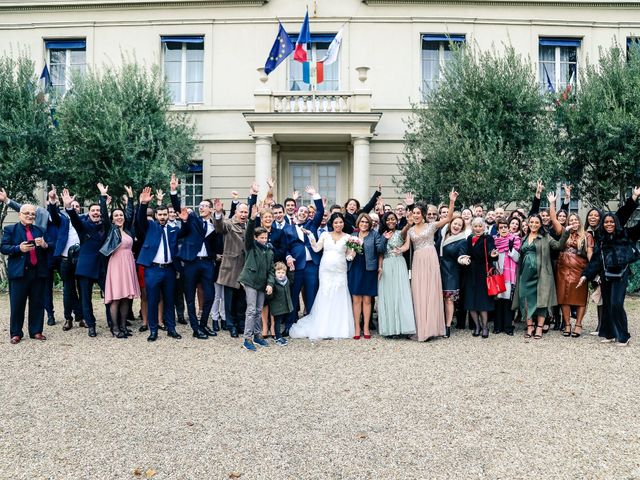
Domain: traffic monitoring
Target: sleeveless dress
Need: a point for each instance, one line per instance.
(426, 284)
(122, 279)
(332, 313)
(395, 310)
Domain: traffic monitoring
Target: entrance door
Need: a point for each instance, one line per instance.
(322, 175)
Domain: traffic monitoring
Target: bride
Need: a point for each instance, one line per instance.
(332, 313)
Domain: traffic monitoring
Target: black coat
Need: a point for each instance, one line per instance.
(476, 297)
(449, 266)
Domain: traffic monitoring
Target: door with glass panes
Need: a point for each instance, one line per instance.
(322, 175)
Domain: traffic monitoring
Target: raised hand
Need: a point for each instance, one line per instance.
(539, 188)
(52, 195)
(295, 195)
(551, 197)
(159, 195)
(254, 212)
(567, 191)
(254, 189)
(146, 195)
(408, 199)
(184, 214)
(125, 199)
(103, 189)
(129, 191)
(310, 190)
(324, 202)
(234, 194)
(378, 185)
(67, 199)
(270, 183)
(218, 205)
(453, 195)
(173, 183)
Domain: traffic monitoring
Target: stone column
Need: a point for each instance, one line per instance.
(361, 168)
(263, 162)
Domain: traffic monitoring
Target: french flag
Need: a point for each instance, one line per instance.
(304, 38)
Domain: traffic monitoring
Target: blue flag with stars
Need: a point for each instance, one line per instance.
(281, 49)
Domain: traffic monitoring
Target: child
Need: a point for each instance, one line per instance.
(280, 301)
(256, 278)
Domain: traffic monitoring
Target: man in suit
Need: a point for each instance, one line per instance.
(65, 251)
(198, 256)
(279, 221)
(158, 256)
(301, 259)
(26, 248)
(90, 267)
(290, 210)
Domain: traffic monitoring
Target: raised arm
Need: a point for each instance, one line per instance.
(557, 226)
(104, 212)
(317, 200)
(566, 203)
(77, 223)
(316, 246)
(625, 212)
(251, 228)
(373, 200)
(535, 204)
(142, 224)
(453, 195)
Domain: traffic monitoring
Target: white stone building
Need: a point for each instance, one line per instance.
(341, 137)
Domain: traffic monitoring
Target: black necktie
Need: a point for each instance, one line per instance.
(165, 244)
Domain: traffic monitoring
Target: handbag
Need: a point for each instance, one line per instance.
(495, 280)
(112, 241)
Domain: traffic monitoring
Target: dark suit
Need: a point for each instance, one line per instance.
(90, 268)
(158, 278)
(26, 281)
(306, 272)
(197, 268)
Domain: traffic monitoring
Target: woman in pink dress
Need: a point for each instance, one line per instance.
(121, 283)
(426, 284)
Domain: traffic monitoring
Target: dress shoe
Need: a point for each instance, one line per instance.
(233, 331)
(81, 323)
(39, 336)
(200, 335)
(15, 340)
(174, 334)
(182, 321)
(91, 331)
(68, 325)
(208, 331)
(356, 337)
(367, 337)
(51, 321)
(153, 336)
(216, 327)
(447, 332)
(162, 327)
(143, 328)
(120, 334)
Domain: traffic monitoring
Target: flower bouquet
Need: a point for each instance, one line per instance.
(354, 243)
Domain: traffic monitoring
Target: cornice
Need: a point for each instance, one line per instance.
(53, 5)
(511, 3)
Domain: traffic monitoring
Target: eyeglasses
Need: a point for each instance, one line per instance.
(28, 214)
(202, 205)
(503, 226)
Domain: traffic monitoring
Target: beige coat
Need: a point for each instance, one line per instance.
(233, 254)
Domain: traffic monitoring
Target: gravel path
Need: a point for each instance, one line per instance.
(81, 408)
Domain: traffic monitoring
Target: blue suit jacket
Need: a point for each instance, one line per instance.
(13, 236)
(296, 247)
(194, 236)
(91, 263)
(150, 233)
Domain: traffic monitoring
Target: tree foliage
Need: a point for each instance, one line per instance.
(25, 126)
(485, 131)
(601, 126)
(115, 127)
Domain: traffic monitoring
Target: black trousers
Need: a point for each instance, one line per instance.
(30, 287)
(235, 307)
(48, 293)
(503, 320)
(70, 290)
(199, 271)
(178, 295)
(614, 318)
(86, 292)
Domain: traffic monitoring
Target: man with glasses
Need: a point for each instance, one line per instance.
(26, 249)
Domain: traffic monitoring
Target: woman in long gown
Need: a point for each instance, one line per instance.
(332, 313)
(395, 311)
(426, 284)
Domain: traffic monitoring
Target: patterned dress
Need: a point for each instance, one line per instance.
(395, 311)
(426, 284)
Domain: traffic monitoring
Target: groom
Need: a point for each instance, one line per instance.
(301, 259)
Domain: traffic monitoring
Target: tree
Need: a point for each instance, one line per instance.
(115, 127)
(600, 126)
(25, 130)
(485, 131)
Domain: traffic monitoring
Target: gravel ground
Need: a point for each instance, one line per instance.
(80, 408)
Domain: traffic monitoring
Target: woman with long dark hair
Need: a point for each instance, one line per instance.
(395, 310)
(613, 254)
(535, 287)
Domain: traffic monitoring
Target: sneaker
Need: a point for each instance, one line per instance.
(622, 344)
(260, 341)
(595, 332)
(282, 342)
(248, 345)
(608, 340)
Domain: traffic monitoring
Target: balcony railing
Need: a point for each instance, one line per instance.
(312, 102)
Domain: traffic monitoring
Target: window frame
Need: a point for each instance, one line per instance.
(165, 39)
(195, 170)
(557, 63)
(68, 65)
(312, 53)
(315, 178)
(444, 42)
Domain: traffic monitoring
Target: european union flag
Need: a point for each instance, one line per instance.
(281, 49)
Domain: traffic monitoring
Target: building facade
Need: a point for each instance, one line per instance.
(341, 136)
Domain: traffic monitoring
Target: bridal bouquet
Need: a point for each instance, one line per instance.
(355, 243)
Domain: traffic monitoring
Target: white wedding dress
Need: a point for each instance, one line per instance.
(332, 314)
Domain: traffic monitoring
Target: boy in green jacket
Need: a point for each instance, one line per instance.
(257, 279)
(280, 304)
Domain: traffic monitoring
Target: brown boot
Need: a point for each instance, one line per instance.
(82, 324)
(68, 324)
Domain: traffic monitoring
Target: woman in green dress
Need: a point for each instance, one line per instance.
(535, 289)
(395, 308)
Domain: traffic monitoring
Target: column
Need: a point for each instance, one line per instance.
(263, 162)
(361, 169)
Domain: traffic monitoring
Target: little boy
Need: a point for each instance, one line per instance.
(280, 303)
(256, 278)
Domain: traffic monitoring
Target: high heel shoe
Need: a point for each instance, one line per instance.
(356, 337)
(485, 332)
(367, 337)
(476, 332)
